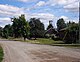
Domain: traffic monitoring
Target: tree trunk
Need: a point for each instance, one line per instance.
(24, 38)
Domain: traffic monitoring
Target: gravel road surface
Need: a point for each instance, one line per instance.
(15, 51)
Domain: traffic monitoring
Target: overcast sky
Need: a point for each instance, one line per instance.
(44, 9)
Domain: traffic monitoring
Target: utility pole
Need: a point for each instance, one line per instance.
(79, 22)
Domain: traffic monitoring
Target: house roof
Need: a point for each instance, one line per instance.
(51, 31)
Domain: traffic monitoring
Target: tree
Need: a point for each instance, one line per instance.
(21, 27)
(25, 28)
(1, 29)
(7, 31)
(72, 33)
(16, 27)
(50, 25)
(61, 24)
(37, 28)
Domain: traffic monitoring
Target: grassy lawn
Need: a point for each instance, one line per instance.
(51, 42)
(1, 54)
(68, 45)
(44, 41)
(38, 41)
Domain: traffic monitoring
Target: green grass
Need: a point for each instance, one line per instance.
(44, 41)
(68, 45)
(51, 42)
(15, 39)
(1, 54)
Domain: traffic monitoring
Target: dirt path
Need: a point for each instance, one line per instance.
(24, 52)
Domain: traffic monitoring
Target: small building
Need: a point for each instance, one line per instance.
(51, 32)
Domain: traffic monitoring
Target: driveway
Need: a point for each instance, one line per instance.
(15, 51)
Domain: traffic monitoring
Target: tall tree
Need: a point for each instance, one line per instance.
(16, 27)
(73, 32)
(25, 28)
(70, 34)
(61, 24)
(37, 28)
(21, 27)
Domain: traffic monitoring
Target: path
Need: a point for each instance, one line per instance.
(15, 51)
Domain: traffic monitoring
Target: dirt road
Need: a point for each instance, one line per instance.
(15, 51)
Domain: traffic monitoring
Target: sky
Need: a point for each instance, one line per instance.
(44, 9)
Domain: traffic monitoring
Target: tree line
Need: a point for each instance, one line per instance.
(34, 28)
(22, 28)
(68, 32)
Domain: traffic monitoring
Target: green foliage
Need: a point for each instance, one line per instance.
(37, 28)
(1, 54)
(20, 27)
(72, 31)
(73, 26)
(1, 31)
(7, 31)
(69, 31)
(44, 41)
(51, 31)
(48, 41)
(61, 24)
(49, 26)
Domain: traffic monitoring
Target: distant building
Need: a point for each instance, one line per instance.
(51, 31)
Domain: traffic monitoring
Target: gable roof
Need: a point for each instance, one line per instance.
(51, 31)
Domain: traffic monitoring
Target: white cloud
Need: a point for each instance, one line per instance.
(67, 19)
(9, 10)
(64, 17)
(44, 17)
(68, 5)
(72, 7)
(5, 21)
(64, 2)
(27, 1)
(23, 0)
(61, 2)
(76, 20)
(40, 3)
(55, 2)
